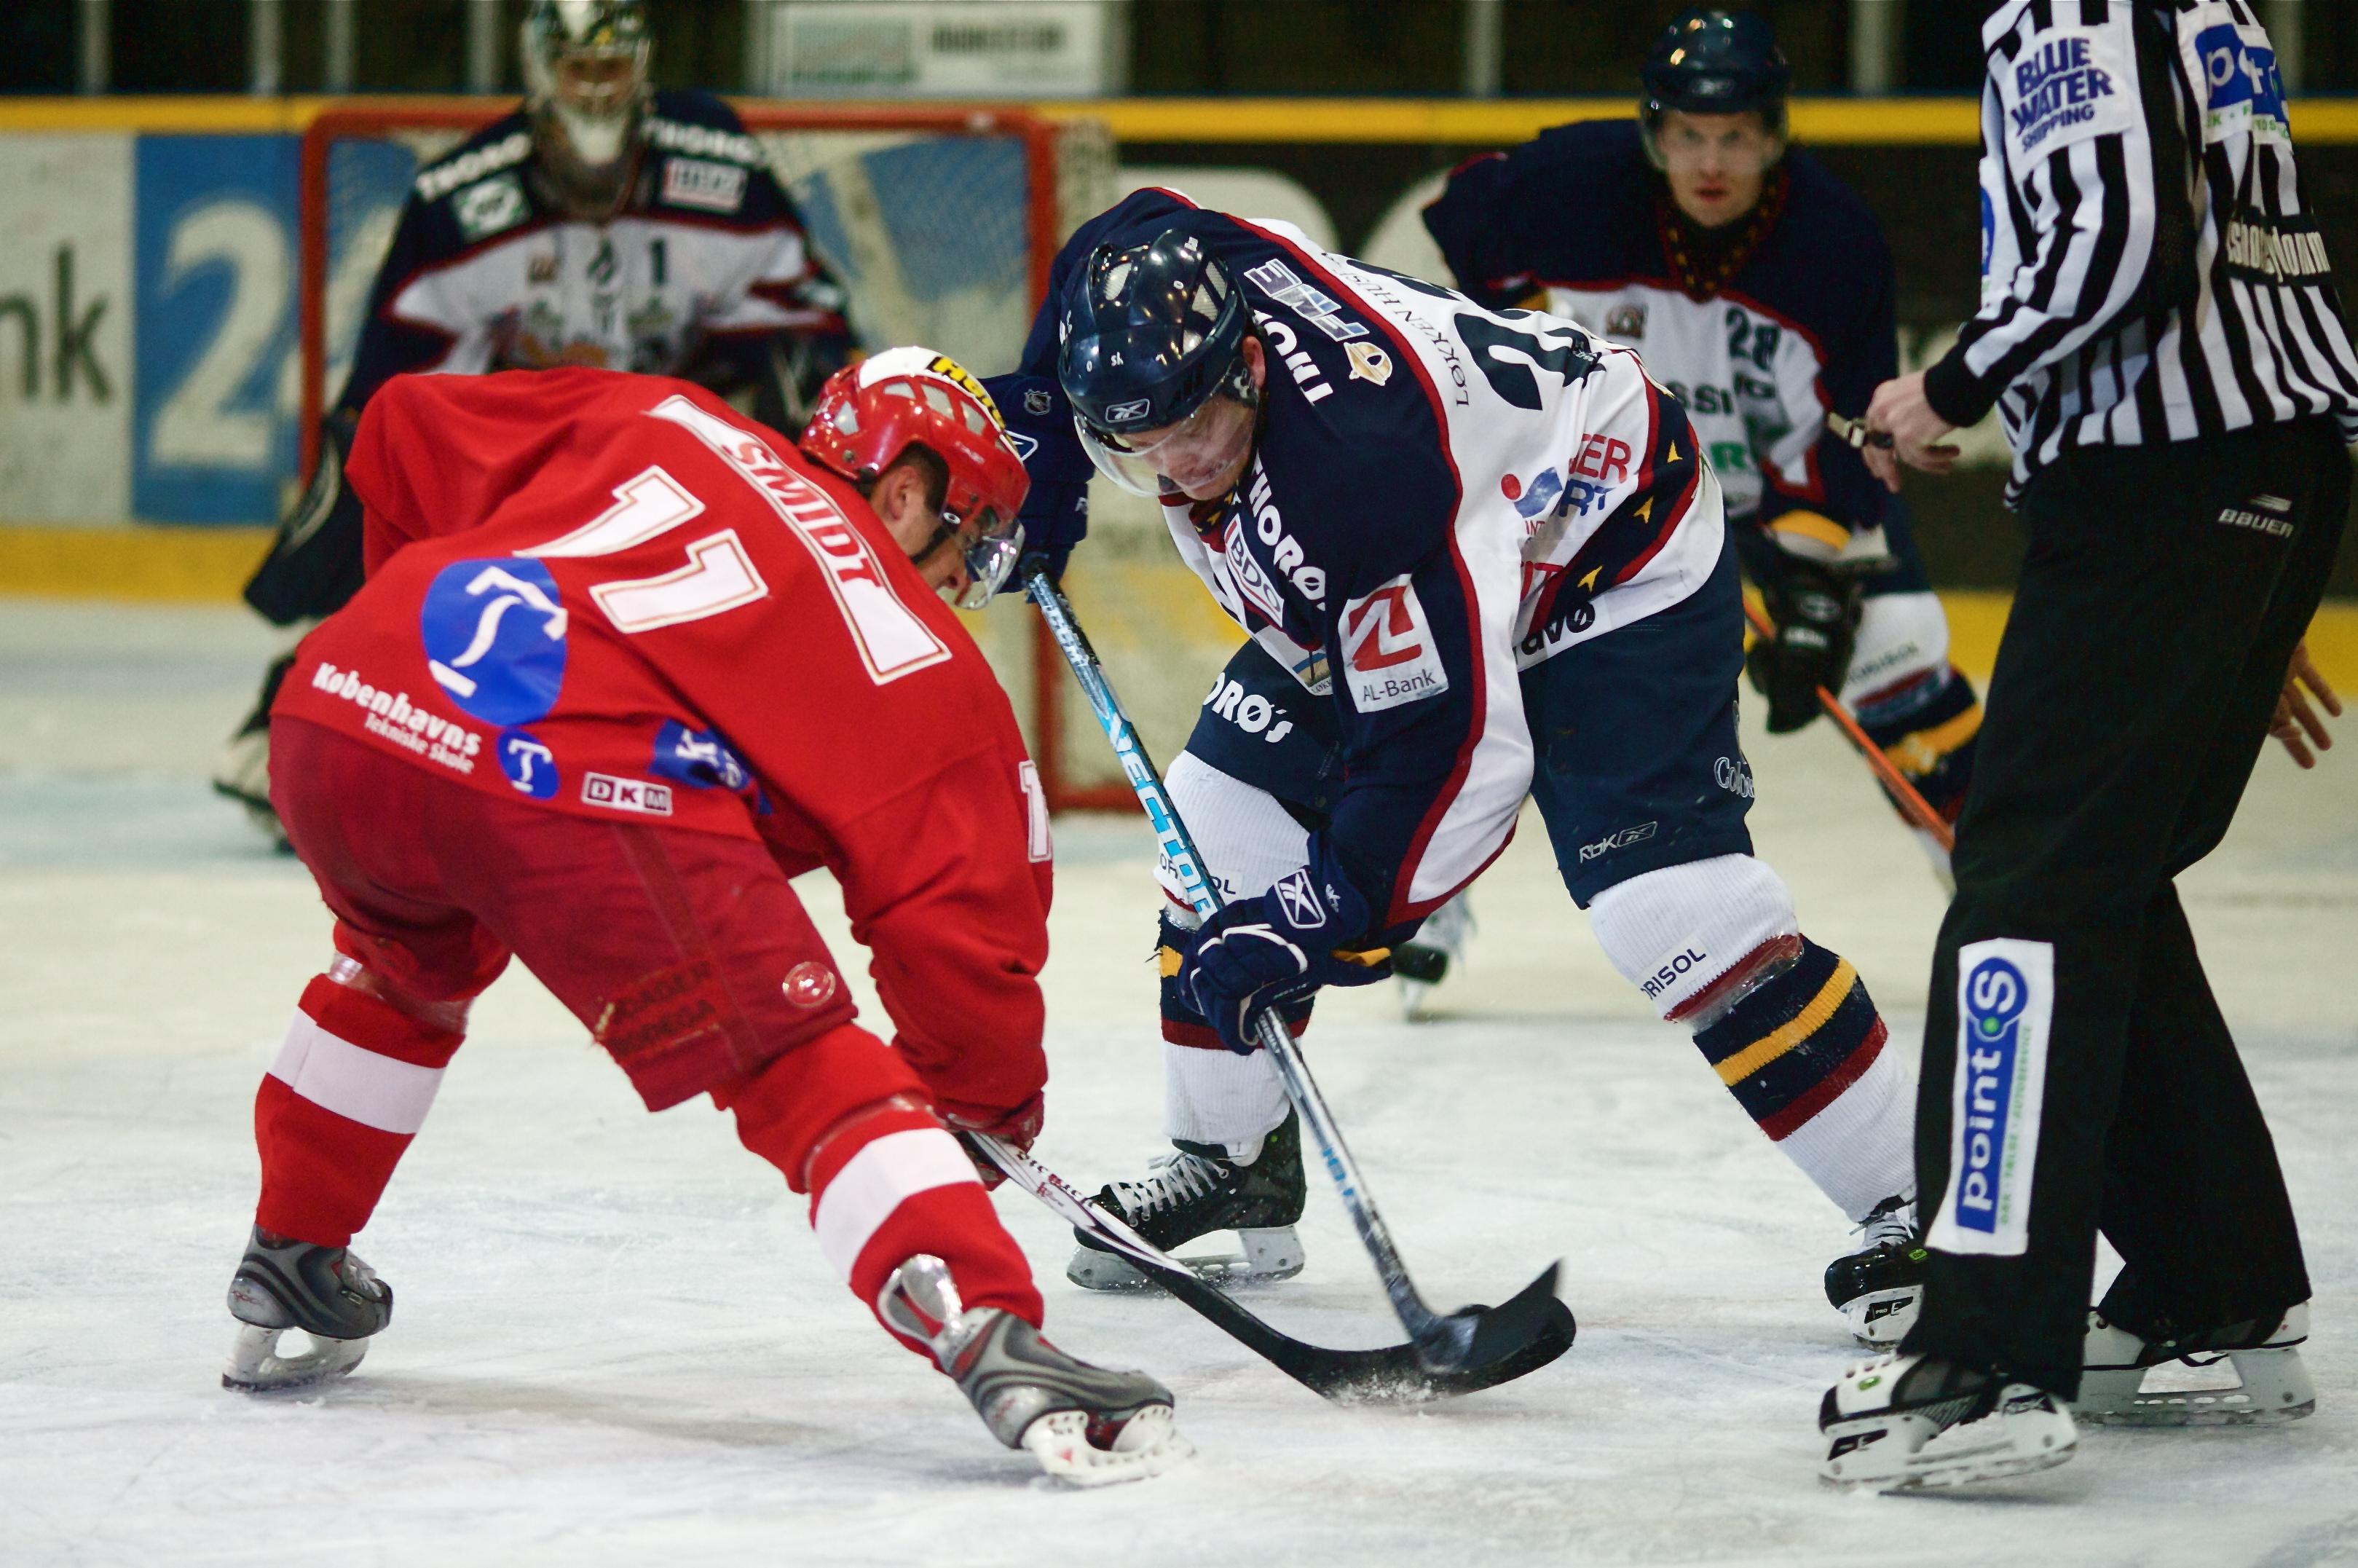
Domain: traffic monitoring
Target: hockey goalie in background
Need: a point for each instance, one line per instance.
(624, 662)
(604, 223)
(1760, 291)
(1477, 556)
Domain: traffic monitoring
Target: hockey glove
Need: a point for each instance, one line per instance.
(1055, 512)
(1019, 1126)
(1815, 607)
(1264, 952)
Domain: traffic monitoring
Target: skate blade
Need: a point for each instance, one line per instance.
(1148, 1444)
(1990, 1449)
(256, 1368)
(1881, 1319)
(2267, 1387)
(1269, 1255)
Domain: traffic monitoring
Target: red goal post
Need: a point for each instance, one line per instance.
(847, 166)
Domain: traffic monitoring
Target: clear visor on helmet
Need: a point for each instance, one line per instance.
(987, 545)
(1191, 457)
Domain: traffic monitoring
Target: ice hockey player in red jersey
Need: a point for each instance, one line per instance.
(624, 662)
(605, 221)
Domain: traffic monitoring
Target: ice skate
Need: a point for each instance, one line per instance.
(336, 1300)
(1902, 1422)
(1879, 1288)
(1086, 1426)
(1198, 1190)
(2247, 1374)
(1421, 964)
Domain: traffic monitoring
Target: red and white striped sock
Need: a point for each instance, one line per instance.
(349, 1089)
(886, 1180)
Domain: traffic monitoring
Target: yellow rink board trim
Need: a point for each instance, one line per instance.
(210, 566)
(185, 566)
(1443, 121)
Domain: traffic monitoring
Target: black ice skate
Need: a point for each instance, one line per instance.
(1086, 1426)
(1198, 1190)
(1879, 1288)
(1909, 1422)
(331, 1295)
(2247, 1374)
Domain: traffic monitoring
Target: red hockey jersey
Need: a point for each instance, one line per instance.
(614, 596)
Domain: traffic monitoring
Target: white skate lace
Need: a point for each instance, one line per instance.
(1893, 1224)
(1171, 1179)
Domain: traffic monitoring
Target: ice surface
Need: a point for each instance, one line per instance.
(616, 1344)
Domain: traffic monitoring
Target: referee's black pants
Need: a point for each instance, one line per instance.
(2077, 1073)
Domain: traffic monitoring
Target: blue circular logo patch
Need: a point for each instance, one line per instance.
(528, 763)
(494, 637)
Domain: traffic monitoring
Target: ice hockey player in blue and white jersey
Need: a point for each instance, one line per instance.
(1759, 289)
(1479, 557)
(604, 223)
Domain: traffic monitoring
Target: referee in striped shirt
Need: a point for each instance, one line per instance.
(2160, 334)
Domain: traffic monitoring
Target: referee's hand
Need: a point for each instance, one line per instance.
(1899, 411)
(2295, 724)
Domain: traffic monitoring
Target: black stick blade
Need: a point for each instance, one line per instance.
(1393, 1374)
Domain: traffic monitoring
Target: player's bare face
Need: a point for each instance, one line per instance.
(1716, 163)
(1204, 455)
(939, 553)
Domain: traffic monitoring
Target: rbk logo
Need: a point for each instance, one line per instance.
(1304, 911)
(1123, 413)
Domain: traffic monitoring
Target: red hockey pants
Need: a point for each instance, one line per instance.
(686, 954)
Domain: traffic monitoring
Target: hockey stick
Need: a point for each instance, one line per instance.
(1471, 1339)
(1390, 1375)
(1912, 805)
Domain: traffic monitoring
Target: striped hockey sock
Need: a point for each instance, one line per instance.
(1803, 1055)
(349, 1090)
(846, 1119)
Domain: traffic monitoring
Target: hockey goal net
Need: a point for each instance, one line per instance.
(942, 223)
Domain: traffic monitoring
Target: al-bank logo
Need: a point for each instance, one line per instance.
(2005, 999)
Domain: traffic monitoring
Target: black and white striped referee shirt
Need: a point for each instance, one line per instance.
(2148, 272)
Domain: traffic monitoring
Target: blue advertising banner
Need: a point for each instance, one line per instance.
(215, 263)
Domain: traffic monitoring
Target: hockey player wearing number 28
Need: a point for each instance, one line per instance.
(1761, 292)
(1479, 556)
(625, 663)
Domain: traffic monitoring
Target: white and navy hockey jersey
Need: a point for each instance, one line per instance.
(705, 261)
(1440, 496)
(1759, 332)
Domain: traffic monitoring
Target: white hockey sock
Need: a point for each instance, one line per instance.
(1861, 1148)
(1218, 1097)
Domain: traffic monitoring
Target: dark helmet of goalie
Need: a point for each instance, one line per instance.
(1149, 334)
(586, 66)
(1714, 62)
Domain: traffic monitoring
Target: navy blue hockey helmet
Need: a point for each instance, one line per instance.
(1150, 333)
(1714, 62)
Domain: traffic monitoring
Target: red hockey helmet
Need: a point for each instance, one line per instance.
(871, 413)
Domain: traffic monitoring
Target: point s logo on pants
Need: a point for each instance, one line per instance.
(2006, 999)
(1389, 651)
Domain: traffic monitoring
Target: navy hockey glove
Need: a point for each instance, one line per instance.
(1055, 515)
(1815, 607)
(1264, 952)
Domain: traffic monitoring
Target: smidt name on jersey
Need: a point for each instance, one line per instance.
(1389, 649)
(393, 715)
